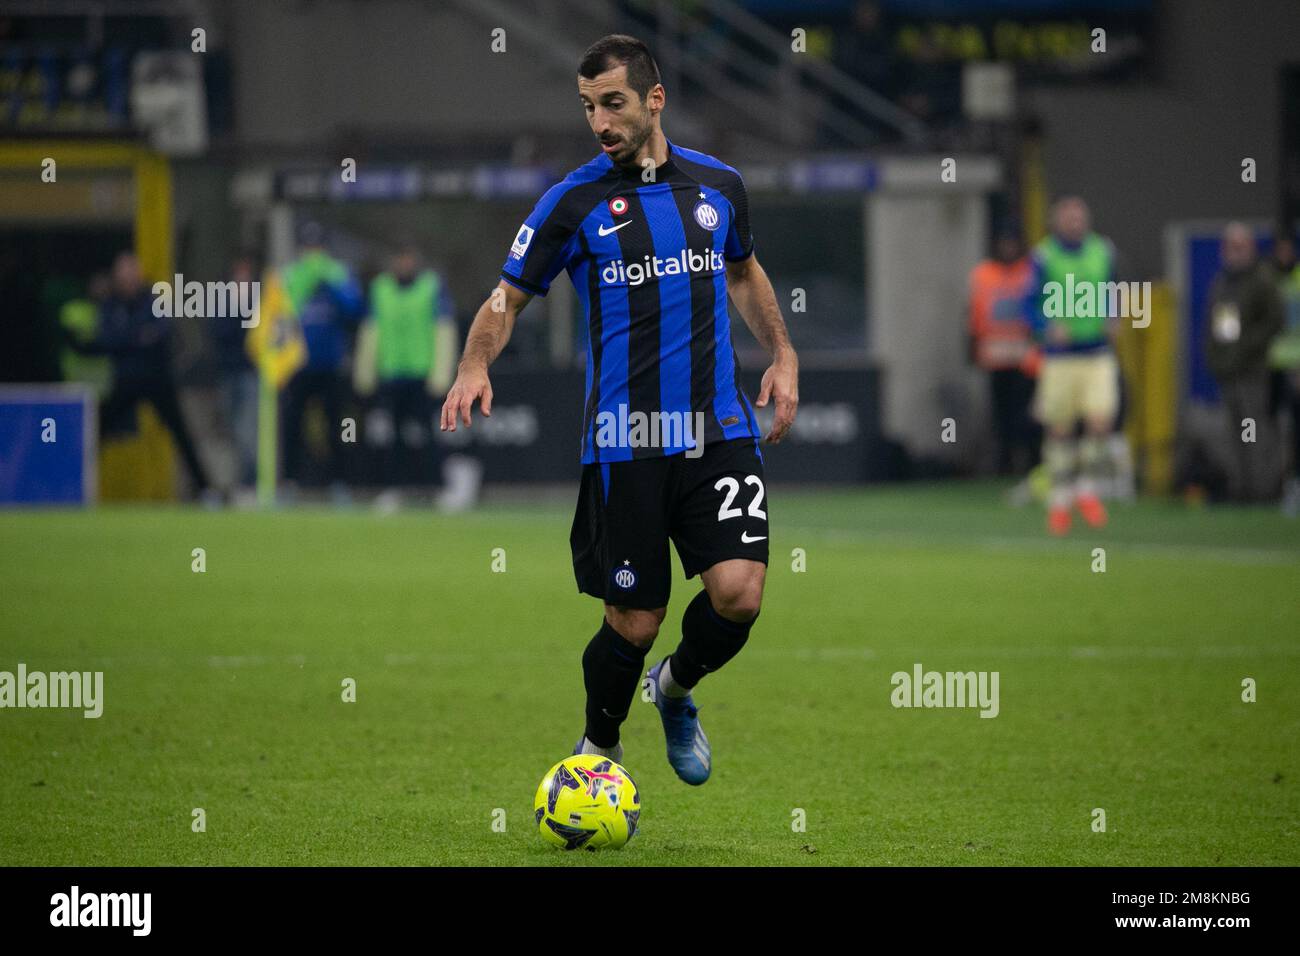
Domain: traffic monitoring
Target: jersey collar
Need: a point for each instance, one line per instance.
(663, 172)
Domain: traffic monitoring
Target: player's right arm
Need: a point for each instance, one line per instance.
(488, 335)
(544, 244)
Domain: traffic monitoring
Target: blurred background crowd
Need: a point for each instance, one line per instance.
(374, 350)
(918, 169)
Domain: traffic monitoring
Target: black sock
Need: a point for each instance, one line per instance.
(611, 671)
(709, 640)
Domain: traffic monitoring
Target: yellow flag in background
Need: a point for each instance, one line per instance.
(275, 343)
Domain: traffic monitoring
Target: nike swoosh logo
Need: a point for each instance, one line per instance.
(605, 232)
(746, 539)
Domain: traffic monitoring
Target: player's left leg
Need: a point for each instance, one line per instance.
(1100, 405)
(1094, 466)
(715, 626)
(720, 530)
(716, 623)
(162, 396)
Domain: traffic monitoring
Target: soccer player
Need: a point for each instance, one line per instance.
(654, 238)
(1079, 377)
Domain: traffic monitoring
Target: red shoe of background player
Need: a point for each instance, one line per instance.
(1058, 520)
(1093, 511)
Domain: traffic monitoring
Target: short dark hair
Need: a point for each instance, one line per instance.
(617, 49)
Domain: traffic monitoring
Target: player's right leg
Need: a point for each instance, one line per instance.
(1056, 410)
(620, 554)
(611, 673)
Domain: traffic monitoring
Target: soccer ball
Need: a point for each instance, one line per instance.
(587, 801)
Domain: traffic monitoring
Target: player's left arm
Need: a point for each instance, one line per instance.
(755, 300)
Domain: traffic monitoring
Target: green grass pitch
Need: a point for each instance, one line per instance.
(1119, 690)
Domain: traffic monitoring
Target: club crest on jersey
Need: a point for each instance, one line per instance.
(624, 577)
(706, 215)
(521, 242)
(618, 205)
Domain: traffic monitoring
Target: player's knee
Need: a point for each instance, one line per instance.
(738, 594)
(636, 625)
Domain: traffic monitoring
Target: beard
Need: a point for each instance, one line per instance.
(631, 144)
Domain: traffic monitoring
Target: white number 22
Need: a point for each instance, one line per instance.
(733, 488)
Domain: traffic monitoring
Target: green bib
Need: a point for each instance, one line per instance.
(303, 277)
(1090, 263)
(404, 318)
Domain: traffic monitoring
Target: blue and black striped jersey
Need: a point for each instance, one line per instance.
(648, 262)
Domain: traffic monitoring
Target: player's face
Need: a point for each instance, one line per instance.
(621, 120)
(405, 265)
(1072, 221)
(1237, 249)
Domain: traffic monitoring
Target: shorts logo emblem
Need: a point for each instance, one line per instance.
(625, 577)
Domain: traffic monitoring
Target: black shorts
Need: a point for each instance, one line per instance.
(713, 508)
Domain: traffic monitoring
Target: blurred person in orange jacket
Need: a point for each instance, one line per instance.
(1002, 344)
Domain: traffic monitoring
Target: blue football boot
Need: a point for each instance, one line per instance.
(688, 748)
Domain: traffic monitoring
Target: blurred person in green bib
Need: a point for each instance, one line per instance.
(327, 300)
(406, 357)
